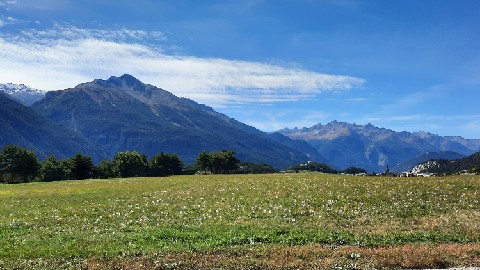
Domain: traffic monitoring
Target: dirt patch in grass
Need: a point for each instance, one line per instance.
(465, 220)
(307, 257)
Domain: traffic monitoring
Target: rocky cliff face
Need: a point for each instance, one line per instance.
(470, 164)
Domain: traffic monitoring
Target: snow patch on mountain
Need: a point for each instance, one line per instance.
(22, 93)
(11, 88)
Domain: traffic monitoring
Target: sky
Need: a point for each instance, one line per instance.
(410, 65)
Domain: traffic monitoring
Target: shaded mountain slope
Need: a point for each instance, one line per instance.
(22, 126)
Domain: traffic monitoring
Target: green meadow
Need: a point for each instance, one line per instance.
(277, 221)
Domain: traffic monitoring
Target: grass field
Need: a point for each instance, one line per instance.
(313, 221)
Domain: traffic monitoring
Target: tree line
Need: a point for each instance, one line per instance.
(19, 165)
(322, 167)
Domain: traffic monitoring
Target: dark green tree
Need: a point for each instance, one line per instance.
(130, 164)
(313, 167)
(354, 170)
(224, 161)
(204, 162)
(81, 167)
(165, 165)
(190, 169)
(105, 170)
(254, 168)
(53, 169)
(17, 165)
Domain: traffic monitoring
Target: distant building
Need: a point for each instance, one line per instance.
(465, 172)
(408, 174)
(388, 172)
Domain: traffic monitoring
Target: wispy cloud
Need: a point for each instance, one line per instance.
(472, 126)
(67, 32)
(289, 118)
(397, 118)
(436, 123)
(7, 20)
(357, 99)
(64, 56)
(37, 4)
(420, 118)
(7, 3)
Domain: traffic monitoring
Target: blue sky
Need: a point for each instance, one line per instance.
(410, 65)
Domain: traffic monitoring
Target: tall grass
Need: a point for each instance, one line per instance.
(77, 220)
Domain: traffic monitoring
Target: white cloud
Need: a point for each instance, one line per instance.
(6, 3)
(65, 56)
(7, 20)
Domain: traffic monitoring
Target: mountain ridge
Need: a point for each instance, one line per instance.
(122, 113)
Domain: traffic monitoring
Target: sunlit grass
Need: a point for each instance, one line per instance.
(74, 221)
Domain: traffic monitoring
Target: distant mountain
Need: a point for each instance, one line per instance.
(300, 145)
(22, 126)
(451, 143)
(22, 93)
(122, 113)
(443, 166)
(410, 164)
(472, 144)
(373, 148)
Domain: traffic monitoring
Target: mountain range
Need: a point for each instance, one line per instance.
(103, 117)
(372, 148)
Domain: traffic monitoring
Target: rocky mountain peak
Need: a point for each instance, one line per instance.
(127, 81)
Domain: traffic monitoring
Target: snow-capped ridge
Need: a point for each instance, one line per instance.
(22, 93)
(11, 88)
